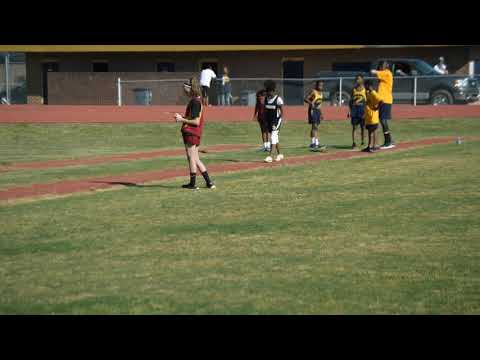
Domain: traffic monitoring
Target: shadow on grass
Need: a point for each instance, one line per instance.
(130, 184)
(344, 147)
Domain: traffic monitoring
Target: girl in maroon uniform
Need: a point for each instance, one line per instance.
(259, 115)
(192, 126)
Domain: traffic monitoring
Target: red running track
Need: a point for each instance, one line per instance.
(117, 158)
(75, 186)
(162, 114)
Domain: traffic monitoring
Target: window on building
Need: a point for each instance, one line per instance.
(165, 67)
(100, 66)
(351, 66)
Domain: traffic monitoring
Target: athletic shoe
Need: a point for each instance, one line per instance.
(321, 147)
(367, 149)
(312, 146)
(279, 157)
(268, 159)
(211, 186)
(190, 186)
(387, 146)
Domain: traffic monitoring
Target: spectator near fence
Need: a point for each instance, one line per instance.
(226, 89)
(441, 67)
(206, 77)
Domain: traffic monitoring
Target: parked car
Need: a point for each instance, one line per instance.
(432, 88)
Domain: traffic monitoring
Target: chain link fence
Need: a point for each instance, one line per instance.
(13, 84)
(436, 90)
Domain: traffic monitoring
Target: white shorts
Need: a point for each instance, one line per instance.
(275, 138)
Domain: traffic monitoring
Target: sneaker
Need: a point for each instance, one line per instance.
(367, 149)
(312, 146)
(279, 157)
(268, 159)
(387, 146)
(211, 186)
(321, 147)
(190, 186)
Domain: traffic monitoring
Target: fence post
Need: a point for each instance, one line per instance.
(415, 91)
(7, 77)
(119, 92)
(340, 92)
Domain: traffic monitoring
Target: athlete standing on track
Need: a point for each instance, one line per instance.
(314, 100)
(385, 88)
(357, 108)
(192, 126)
(259, 115)
(273, 117)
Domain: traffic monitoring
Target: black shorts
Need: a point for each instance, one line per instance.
(314, 116)
(205, 91)
(358, 121)
(263, 124)
(371, 127)
(271, 124)
(385, 111)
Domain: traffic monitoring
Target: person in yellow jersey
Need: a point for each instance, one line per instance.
(357, 109)
(373, 101)
(385, 87)
(314, 100)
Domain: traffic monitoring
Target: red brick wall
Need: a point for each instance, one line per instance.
(86, 88)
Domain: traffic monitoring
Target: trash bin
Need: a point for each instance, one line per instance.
(143, 96)
(248, 97)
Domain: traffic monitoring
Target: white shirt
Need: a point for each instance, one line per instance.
(206, 77)
(440, 68)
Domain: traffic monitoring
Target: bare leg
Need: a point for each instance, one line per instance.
(265, 136)
(277, 146)
(191, 149)
(198, 162)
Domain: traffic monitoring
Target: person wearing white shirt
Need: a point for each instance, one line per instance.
(206, 77)
(441, 67)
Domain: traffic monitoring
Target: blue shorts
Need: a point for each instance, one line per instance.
(314, 116)
(355, 121)
(385, 111)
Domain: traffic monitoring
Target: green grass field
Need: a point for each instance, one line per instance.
(396, 232)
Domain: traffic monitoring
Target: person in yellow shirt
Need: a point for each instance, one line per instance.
(314, 100)
(357, 108)
(385, 87)
(373, 100)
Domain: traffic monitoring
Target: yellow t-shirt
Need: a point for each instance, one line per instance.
(371, 110)
(385, 85)
(316, 97)
(358, 96)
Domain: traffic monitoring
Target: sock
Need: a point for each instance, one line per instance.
(206, 177)
(265, 145)
(313, 140)
(387, 138)
(268, 144)
(193, 178)
(316, 141)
